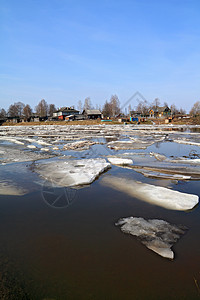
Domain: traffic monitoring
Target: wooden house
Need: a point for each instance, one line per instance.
(64, 112)
(92, 113)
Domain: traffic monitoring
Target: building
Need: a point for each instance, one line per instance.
(64, 112)
(92, 113)
(161, 112)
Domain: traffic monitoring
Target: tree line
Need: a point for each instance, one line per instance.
(110, 108)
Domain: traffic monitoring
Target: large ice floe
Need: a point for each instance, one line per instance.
(157, 235)
(156, 195)
(72, 172)
(10, 154)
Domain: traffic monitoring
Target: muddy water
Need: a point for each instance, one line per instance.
(76, 252)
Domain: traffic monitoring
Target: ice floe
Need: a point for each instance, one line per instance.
(156, 195)
(14, 154)
(157, 235)
(8, 187)
(72, 172)
(119, 161)
(125, 145)
(79, 145)
(187, 142)
(154, 174)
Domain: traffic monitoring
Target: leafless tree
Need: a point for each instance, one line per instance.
(182, 111)
(174, 109)
(42, 108)
(2, 113)
(79, 106)
(87, 103)
(115, 105)
(107, 109)
(27, 111)
(142, 107)
(156, 103)
(16, 109)
(129, 109)
(51, 109)
(195, 110)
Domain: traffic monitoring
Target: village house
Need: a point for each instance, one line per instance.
(160, 112)
(92, 113)
(65, 113)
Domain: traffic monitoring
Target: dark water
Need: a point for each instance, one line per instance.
(77, 252)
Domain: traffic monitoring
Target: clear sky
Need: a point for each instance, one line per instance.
(64, 51)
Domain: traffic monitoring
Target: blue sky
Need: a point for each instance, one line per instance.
(64, 51)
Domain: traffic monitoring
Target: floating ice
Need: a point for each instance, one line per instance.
(72, 172)
(8, 187)
(31, 146)
(125, 145)
(119, 161)
(79, 145)
(157, 195)
(13, 154)
(180, 160)
(157, 235)
(186, 142)
(154, 174)
(44, 149)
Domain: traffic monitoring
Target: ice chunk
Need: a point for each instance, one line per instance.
(13, 154)
(154, 174)
(44, 149)
(120, 161)
(157, 235)
(31, 146)
(125, 145)
(79, 145)
(8, 187)
(72, 172)
(158, 156)
(187, 142)
(157, 195)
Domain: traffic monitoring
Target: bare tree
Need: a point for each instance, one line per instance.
(195, 110)
(142, 107)
(115, 105)
(79, 106)
(156, 103)
(129, 109)
(107, 109)
(20, 107)
(182, 111)
(42, 108)
(16, 109)
(174, 109)
(27, 111)
(2, 113)
(51, 109)
(87, 103)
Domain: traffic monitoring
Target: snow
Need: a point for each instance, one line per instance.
(157, 235)
(119, 161)
(72, 172)
(156, 195)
